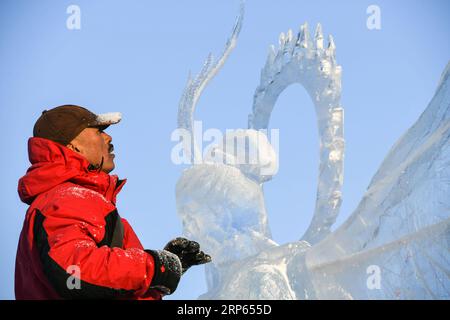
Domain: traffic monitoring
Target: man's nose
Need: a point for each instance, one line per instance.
(107, 137)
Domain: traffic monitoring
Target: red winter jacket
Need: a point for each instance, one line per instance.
(68, 231)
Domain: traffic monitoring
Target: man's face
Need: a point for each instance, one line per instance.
(94, 144)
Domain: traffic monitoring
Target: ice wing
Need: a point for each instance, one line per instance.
(396, 243)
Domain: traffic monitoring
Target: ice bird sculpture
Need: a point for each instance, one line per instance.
(395, 245)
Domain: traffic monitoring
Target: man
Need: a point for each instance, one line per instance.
(73, 243)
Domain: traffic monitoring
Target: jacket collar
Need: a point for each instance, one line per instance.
(53, 164)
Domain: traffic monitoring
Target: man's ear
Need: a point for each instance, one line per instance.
(73, 148)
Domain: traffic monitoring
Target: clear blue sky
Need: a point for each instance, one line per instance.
(134, 57)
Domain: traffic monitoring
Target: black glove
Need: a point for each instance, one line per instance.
(167, 271)
(188, 251)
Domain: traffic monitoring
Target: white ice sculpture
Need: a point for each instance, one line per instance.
(300, 59)
(394, 246)
(222, 203)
